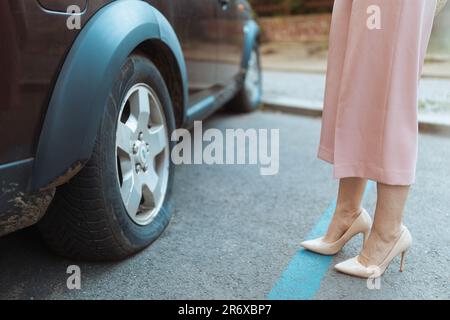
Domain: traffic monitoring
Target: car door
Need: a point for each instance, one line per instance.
(230, 15)
(196, 26)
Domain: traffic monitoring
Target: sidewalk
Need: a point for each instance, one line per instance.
(311, 57)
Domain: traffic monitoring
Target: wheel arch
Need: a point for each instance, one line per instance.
(82, 88)
(161, 55)
(252, 34)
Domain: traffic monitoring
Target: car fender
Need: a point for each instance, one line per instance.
(251, 35)
(80, 95)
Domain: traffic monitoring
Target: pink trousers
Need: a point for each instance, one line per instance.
(377, 50)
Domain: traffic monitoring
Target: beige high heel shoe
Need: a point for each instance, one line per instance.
(362, 224)
(353, 267)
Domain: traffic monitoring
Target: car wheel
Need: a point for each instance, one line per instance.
(248, 98)
(120, 202)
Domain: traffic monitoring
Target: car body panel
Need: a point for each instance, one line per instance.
(37, 44)
(197, 28)
(62, 5)
(231, 39)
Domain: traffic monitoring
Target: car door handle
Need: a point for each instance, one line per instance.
(224, 4)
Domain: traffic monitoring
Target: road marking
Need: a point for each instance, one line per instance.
(302, 277)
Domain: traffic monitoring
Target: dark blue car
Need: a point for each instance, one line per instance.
(90, 93)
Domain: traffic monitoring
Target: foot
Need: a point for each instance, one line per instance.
(361, 224)
(375, 263)
(378, 246)
(342, 220)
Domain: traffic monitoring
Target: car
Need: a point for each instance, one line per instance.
(90, 93)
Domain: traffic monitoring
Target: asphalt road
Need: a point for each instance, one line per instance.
(235, 231)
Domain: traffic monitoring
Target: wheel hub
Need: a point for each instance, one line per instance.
(141, 150)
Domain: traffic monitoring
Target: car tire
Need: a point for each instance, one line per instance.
(248, 99)
(92, 217)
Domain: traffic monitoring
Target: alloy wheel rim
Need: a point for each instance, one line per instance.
(142, 153)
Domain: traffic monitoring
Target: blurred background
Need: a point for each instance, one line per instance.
(295, 48)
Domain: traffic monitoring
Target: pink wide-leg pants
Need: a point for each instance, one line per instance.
(370, 126)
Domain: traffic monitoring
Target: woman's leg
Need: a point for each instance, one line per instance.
(387, 223)
(348, 207)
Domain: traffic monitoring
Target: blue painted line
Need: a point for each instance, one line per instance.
(302, 277)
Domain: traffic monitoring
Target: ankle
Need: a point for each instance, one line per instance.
(342, 220)
(386, 234)
(348, 212)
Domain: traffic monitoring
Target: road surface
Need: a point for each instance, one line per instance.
(235, 232)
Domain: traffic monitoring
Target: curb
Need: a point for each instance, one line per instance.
(433, 125)
(309, 108)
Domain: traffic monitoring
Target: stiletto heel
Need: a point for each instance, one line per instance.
(354, 268)
(402, 262)
(362, 224)
(365, 238)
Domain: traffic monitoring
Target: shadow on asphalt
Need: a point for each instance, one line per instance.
(24, 253)
(29, 270)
